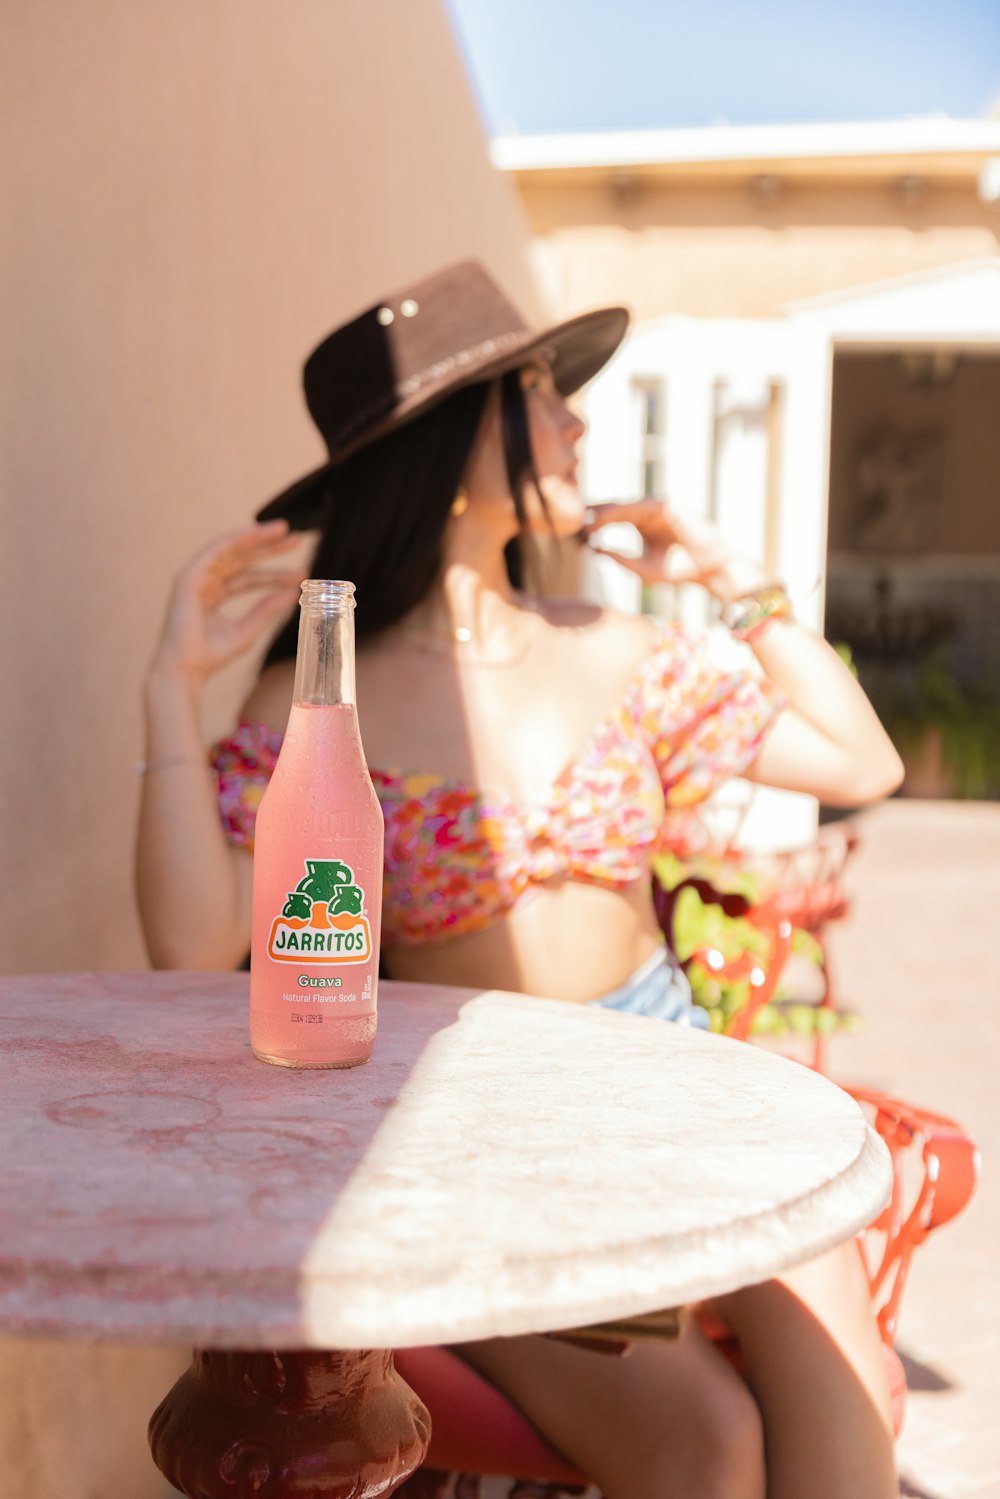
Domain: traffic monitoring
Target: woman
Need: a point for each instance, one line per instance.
(530, 757)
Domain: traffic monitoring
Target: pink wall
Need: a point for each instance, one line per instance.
(199, 189)
(196, 190)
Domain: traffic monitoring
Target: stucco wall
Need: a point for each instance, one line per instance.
(718, 249)
(196, 190)
(199, 189)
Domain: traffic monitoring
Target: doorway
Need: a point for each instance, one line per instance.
(913, 575)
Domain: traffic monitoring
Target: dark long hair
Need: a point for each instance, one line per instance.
(521, 471)
(387, 508)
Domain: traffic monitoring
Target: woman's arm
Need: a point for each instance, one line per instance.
(827, 741)
(193, 887)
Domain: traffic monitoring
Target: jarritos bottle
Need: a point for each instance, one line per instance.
(317, 869)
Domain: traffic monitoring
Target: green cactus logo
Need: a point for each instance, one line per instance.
(323, 919)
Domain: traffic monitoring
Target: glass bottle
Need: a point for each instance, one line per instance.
(317, 871)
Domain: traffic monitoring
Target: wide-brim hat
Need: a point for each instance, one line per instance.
(409, 352)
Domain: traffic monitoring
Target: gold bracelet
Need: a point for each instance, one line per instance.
(747, 614)
(145, 767)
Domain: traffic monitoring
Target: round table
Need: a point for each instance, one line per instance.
(504, 1164)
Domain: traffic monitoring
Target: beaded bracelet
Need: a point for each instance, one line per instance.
(749, 613)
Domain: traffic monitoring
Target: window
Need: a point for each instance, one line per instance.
(650, 401)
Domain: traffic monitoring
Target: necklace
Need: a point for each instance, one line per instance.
(465, 658)
(443, 642)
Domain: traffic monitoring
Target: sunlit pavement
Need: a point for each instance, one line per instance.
(919, 958)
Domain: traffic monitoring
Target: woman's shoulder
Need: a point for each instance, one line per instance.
(620, 654)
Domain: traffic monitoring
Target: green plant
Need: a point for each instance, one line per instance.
(966, 718)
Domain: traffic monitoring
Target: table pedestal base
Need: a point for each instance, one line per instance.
(311, 1424)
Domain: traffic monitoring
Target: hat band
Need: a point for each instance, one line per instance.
(413, 383)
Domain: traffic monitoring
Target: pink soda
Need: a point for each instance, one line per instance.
(317, 869)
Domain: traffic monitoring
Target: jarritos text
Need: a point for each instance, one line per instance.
(323, 920)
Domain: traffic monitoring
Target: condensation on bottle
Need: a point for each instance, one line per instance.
(317, 871)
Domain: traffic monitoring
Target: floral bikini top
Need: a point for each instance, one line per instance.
(457, 859)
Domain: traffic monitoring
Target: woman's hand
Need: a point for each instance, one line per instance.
(678, 548)
(199, 634)
(827, 740)
(193, 887)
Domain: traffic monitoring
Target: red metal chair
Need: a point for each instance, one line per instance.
(803, 890)
(948, 1167)
(806, 891)
(476, 1430)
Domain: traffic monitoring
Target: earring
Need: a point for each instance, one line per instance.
(460, 503)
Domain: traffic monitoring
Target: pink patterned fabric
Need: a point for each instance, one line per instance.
(457, 859)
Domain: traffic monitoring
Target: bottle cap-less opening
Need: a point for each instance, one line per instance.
(332, 594)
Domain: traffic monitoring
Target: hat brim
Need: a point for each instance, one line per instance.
(576, 349)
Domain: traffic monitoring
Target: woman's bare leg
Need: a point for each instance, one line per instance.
(667, 1421)
(814, 1361)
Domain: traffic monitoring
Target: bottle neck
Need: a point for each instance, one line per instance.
(324, 665)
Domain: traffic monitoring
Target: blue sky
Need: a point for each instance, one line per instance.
(544, 65)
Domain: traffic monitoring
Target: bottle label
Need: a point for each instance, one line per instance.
(323, 919)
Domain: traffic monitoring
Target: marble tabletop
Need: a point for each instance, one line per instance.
(503, 1164)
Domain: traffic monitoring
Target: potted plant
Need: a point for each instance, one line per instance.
(947, 733)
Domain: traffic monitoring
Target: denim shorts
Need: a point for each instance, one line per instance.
(658, 989)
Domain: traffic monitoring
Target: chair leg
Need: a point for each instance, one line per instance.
(826, 1002)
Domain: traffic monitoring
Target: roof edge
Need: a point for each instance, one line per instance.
(925, 135)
